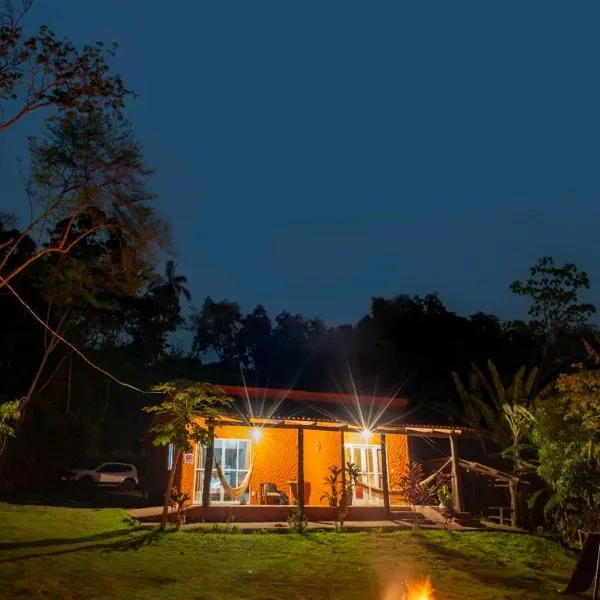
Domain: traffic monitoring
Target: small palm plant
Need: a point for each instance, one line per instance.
(332, 483)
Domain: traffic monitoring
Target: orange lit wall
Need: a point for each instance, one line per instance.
(321, 449)
(275, 458)
(397, 453)
(274, 455)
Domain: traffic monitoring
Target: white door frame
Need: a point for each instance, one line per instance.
(372, 478)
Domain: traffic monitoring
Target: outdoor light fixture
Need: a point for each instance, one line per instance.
(256, 434)
(366, 433)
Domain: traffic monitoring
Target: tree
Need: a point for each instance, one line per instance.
(157, 313)
(216, 327)
(172, 285)
(9, 415)
(555, 308)
(499, 413)
(92, 167)
(41, 71)
(180, 420)
(88, 175)
(566, 434)
(254, 342)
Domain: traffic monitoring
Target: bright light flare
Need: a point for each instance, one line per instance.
(256, 434)
(366, 434)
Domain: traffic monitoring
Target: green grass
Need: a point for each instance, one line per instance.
(63, 553)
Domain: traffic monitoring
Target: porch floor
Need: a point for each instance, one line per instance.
(319, 517)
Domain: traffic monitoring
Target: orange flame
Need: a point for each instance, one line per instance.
(419, 591)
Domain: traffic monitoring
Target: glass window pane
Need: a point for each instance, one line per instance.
(230, 459)
(243, 455)
(370, 467)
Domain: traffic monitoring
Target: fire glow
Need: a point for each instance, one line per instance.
(412, 590)
(419, 591)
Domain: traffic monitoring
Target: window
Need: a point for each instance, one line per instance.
(233, 457)
(108, 468)
(121, 468)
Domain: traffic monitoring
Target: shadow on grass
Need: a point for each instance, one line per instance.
(134, 542)
(47, 542)
(500, 575)
(76, 496)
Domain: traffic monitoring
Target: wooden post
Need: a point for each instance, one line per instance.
(514, 503)
(300, 477)
(455, 480)
(596, 576)
(343, 457)
(208, 466)
(384, 473)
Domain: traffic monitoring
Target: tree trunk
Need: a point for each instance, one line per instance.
(514, 503)
(167, 501)
(208, 466)
(68, 407)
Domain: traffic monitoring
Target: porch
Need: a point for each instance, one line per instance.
(263, 469)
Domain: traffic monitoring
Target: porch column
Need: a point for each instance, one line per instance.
(300, 477)
(455, 480)
(208, 466)
(343, 459)
(384, 474)
(514, 503)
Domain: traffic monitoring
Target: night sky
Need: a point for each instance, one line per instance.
(314, 154)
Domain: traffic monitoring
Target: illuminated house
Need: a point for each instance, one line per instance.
(263, 466)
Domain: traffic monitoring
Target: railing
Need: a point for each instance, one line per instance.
(500, 514)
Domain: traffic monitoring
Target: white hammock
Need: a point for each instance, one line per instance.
(425, 481)
(237, 492)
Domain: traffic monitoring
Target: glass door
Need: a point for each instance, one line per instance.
(368, 459)
(233, 457)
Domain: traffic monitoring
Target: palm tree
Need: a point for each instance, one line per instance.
(176, 284)
(164, 309)
(170, 284)
(502, 414)
(499, 413)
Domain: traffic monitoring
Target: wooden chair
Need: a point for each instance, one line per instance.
(269, 494)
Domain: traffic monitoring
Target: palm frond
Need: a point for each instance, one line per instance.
(499, 387)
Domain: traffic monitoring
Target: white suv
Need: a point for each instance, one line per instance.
(122, 475)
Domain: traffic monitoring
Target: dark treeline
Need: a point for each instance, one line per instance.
(408, 345)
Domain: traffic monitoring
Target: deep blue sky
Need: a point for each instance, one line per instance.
(314, 154)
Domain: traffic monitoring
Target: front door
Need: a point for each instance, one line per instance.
(368, 459)
(233, 457)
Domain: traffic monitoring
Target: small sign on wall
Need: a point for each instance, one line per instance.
(188, 458)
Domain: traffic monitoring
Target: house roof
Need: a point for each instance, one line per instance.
(320, 422)
(275, 407)
(310, 397)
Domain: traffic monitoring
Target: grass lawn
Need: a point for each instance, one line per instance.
(60, 553)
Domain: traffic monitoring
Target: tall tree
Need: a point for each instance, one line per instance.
(157, 313)
(216, 328)
(41, 71)
(92, 166)
(254, 343)
(556, 308)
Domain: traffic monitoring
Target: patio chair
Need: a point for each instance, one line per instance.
(269, 494)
